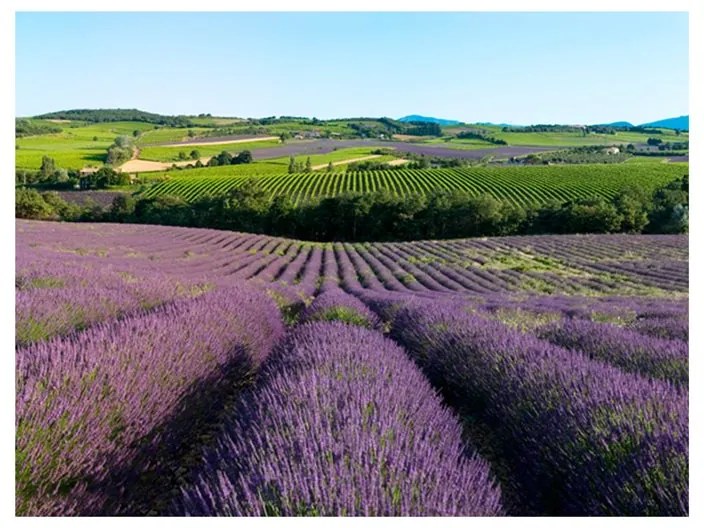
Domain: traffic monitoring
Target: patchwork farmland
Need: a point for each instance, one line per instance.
(388, 365)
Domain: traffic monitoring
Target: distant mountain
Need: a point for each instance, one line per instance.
(488, 123)
(423, 119)
(620, 124)
(675, 123)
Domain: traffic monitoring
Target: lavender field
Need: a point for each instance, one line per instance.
(176, 371)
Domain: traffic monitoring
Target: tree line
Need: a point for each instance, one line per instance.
(28, 127)
(118, 114)
(382, 216)
(480, 135)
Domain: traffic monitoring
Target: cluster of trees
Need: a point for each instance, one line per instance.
(120, 151)
(366, 128)
(543, 128)
(27, 127)
(119, 114)
(194, 155)
(585, 154)
(421, 161)
(480, 135)
(103, 178)
(295, 167)
(422, 128)
(280, 120)
(50, 176)
(590, 129)
(647, 130)
(225, 158)
(370, 129)
(415, 161)
(372, 165)
(668, 145)
(381, 216)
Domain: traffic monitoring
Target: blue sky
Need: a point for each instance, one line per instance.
(502, 67)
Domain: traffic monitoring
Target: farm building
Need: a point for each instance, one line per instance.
(612, 150)
(84, 173)
(87, 171)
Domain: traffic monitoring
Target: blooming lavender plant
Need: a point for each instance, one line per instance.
(50, 304)
(585, 438)
(344, 424)
(336, 305)
(89, 407)
(634, 352)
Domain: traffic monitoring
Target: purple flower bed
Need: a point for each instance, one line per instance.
(585, 438)
(631, 351)
(130, 374)
(336, 305)
(90, 406)
(343, 424)
(55, 303)
(665, 327)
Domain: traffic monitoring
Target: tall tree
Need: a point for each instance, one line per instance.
(48, 167)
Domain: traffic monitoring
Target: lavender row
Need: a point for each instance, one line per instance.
(336, 305)
(584, 437)
(58, 303)
(654, 357)
(663, 327)
(91, 409)
(344, 424)
(605, 265)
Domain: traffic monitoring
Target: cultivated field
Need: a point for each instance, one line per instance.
(170, 153)
(80, 144)
(522, 185)
(165, 370)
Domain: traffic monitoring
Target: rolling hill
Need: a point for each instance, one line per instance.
(676, 123)
(423, 119)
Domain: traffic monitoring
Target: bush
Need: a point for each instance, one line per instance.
(30, 204)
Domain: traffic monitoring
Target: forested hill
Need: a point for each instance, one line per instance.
(675, 123)
(118, 114)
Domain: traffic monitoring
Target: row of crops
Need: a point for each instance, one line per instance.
(519, 185)
(590, 265)
(508, 376)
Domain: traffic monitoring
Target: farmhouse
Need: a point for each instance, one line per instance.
(83, 174)
(307, 134)
(612, 150)
(87, 171)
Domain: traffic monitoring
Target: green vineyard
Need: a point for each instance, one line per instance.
(518, 185)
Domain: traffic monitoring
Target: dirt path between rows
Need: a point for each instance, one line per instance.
(395, 162)
(345, 162)
(140, 165)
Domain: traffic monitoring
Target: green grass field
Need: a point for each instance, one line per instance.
(158, 134)
(518, 185)
(216, 121)
(339, 155)
(76, 146)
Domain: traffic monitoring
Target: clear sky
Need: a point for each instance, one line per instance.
(517, 68)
